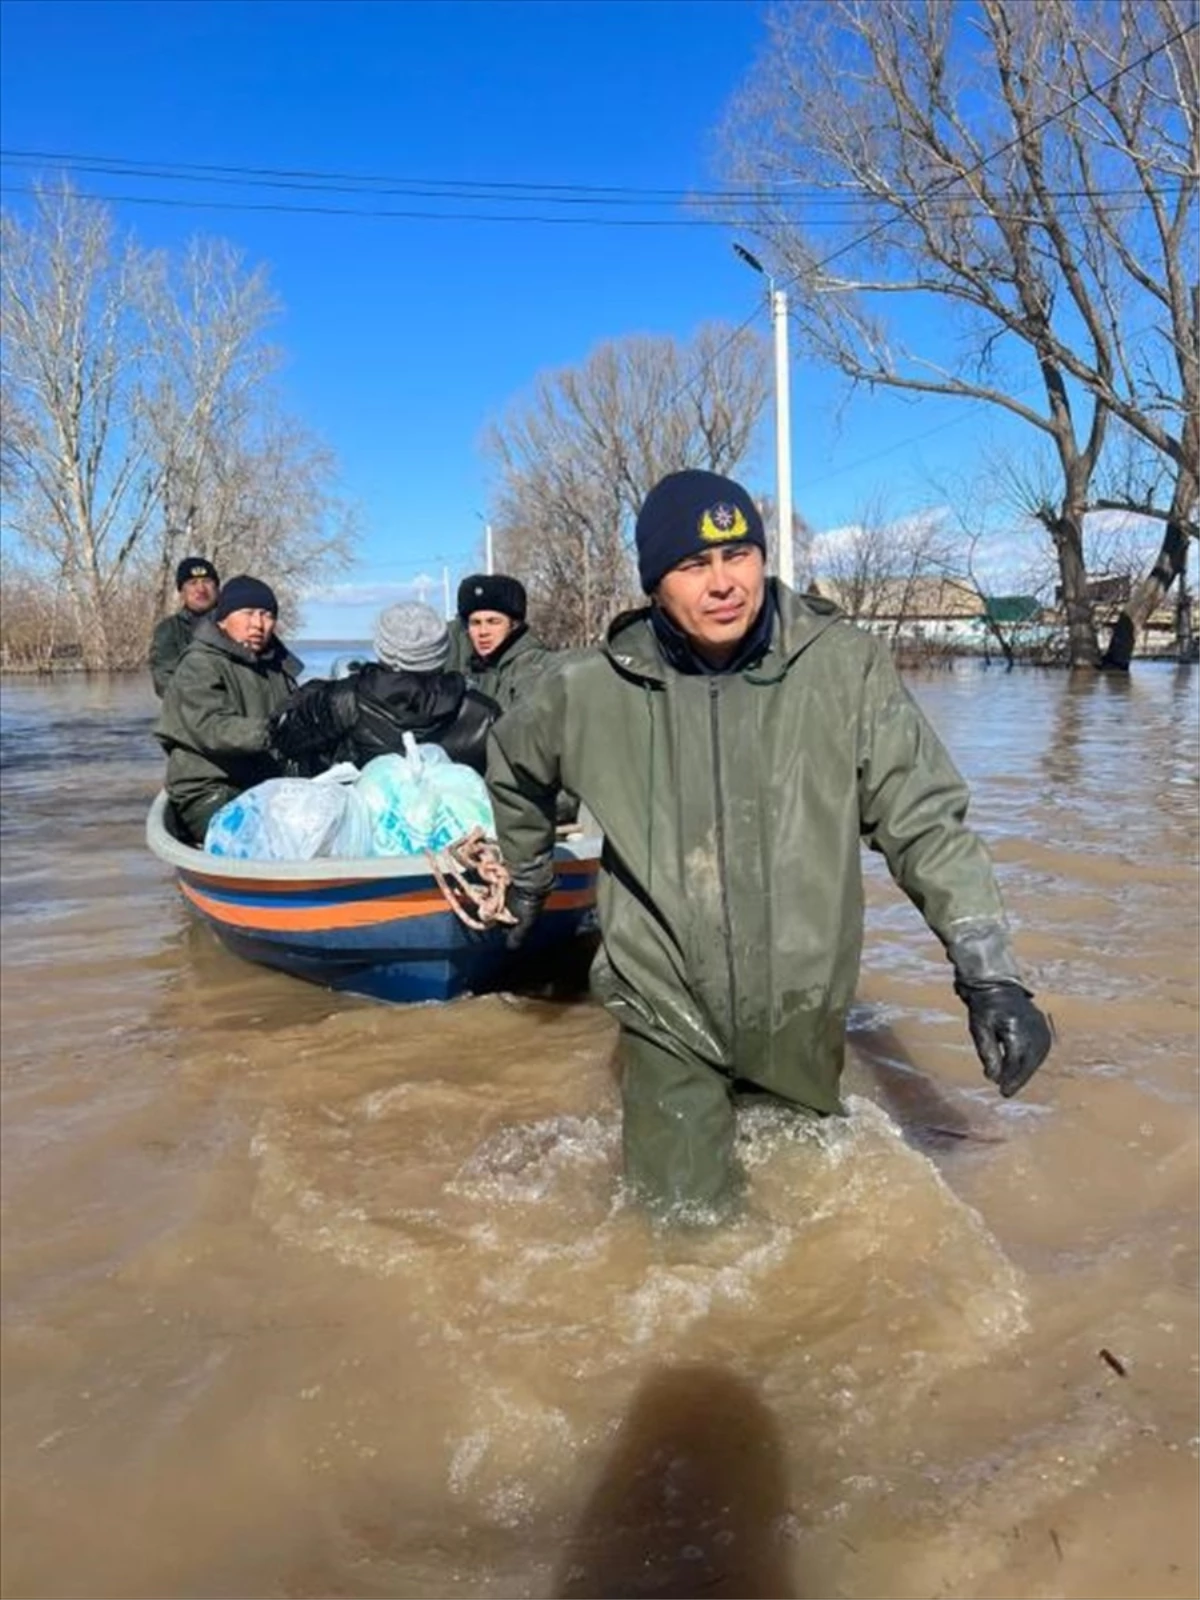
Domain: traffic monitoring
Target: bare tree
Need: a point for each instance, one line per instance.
(29, 620)
(83, 479)
(985, 155)
(989, 516)
(1142, 129)
(136, 395)
(885, 571)
(576, 461)
(803, 535)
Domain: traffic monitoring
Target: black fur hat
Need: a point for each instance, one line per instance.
(495, 591)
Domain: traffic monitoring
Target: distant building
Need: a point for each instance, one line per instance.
(1108, 589)
(1108, 592)
(941, 613)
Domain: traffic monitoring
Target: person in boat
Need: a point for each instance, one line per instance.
(735, 741)
(367, 712)
(502, 657)
(197, 583)
(215, 718)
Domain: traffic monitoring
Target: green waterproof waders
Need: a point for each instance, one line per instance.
(196, 813)
(678, 1129)
(680, 1126)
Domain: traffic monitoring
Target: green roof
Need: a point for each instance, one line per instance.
(1012, 608)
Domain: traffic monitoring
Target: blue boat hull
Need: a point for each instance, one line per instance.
(378, 928)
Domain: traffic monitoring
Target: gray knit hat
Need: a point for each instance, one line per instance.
(411, 637)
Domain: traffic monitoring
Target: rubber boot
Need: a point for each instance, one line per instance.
(678, 1132)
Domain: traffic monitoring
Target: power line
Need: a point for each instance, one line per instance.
(172, 202)
(525, 190)
(471, 190)
(376, 214)
(572, 193)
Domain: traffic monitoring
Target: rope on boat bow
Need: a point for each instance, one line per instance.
(473, 879)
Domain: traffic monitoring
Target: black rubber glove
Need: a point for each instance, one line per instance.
(1012, 1037)
(313, 720)
(526, 908)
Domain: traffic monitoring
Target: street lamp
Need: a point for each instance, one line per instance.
(783, 419)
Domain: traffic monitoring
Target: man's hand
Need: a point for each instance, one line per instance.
(524, 907)
(1012, 1037)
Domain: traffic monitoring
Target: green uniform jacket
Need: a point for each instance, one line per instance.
(732, 807)
(459, 657)
(213, 723)
(171, 638)
(509, 672)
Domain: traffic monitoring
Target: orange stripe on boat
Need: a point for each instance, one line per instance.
(352, 914)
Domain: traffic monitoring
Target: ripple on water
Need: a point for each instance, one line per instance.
(507, 1236)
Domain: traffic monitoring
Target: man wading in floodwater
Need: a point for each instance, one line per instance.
(734, 742)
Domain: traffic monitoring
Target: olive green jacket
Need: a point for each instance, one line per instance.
(733, 808)
(171, 638)
(459, 656)
(509, 672)
(213, 723)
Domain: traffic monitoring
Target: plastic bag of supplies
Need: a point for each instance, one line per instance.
(293, 819)
(422, 800)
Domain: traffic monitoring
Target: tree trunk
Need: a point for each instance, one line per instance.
(1169, 565)
(1185, 633)
(1082, 645)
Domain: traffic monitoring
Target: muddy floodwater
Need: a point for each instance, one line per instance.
(309, 1296)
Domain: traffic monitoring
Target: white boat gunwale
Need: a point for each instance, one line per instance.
(580, 847)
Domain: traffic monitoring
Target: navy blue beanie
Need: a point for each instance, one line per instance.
(245, 594)
(687, 512)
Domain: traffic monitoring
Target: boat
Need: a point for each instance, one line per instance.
(379, 926)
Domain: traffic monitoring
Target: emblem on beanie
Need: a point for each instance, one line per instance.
(723, 522)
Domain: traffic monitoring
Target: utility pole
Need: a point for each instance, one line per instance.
(783, 435)
(489, 565)
(783, 416)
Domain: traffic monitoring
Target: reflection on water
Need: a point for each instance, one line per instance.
(350, 1297)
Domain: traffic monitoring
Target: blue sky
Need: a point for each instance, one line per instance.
(407, 336)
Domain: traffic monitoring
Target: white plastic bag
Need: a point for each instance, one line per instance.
(463, 804)
(291, 819)
(400, 806)
(422, 800)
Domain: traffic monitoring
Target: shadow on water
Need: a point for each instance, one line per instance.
(691, 1499)
(929, 1115)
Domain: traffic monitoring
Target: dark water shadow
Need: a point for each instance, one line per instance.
(930, 1115)
(560, 972)
(690, 1501)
